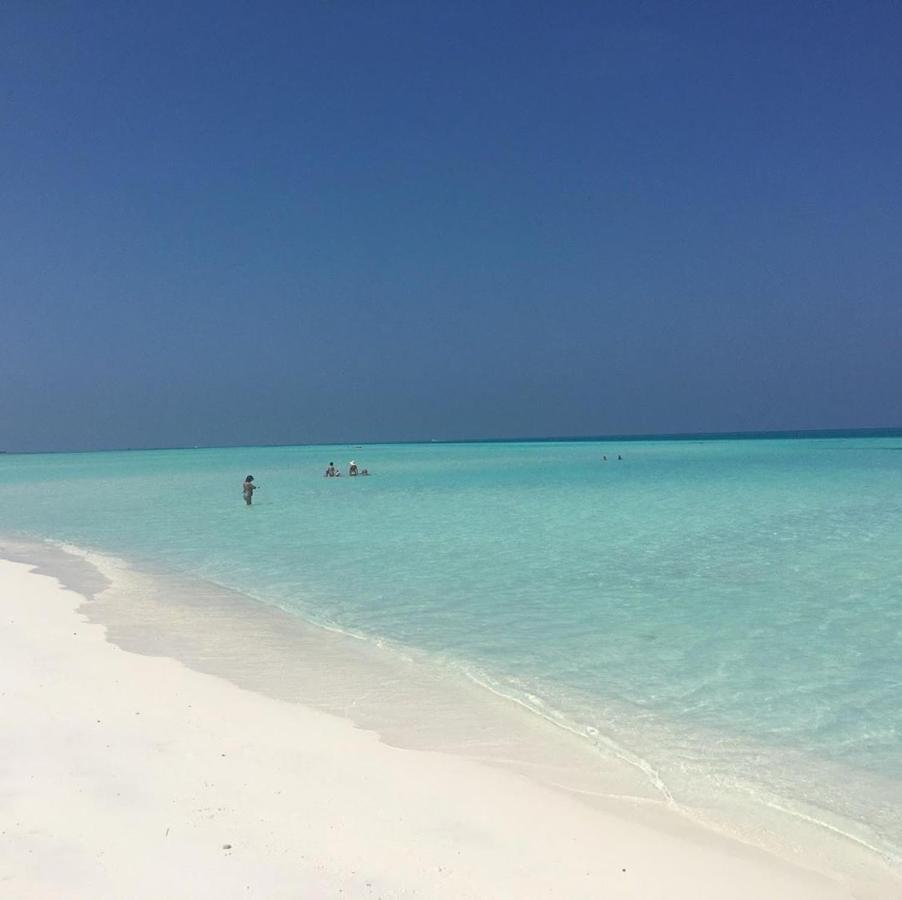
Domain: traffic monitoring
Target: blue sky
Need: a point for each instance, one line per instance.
(264, 223)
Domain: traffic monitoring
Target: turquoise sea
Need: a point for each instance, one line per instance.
(726, 613)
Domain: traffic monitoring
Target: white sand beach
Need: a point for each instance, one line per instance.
(126, 775)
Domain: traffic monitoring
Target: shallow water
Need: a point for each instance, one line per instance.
(725, 614)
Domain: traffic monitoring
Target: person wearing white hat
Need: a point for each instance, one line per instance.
(352, 468)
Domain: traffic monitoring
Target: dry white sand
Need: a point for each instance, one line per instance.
(127, 776)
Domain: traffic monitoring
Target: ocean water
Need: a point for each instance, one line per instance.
(725, 613)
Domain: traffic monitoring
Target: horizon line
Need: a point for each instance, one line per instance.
(765, 434)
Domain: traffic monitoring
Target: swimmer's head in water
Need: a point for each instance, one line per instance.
(248, 479)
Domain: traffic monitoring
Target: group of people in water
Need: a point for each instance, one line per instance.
(248, 487)
(332, 471)
(353, 469)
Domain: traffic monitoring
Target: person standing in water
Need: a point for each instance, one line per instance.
(248, 489)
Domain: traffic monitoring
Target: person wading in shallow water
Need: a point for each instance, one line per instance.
(248, 489)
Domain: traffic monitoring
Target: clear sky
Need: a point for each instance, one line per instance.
(290, 222)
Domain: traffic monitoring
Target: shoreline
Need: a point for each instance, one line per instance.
(384, 687)
(677, 848)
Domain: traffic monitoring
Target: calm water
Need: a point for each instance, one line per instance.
(727, 612)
